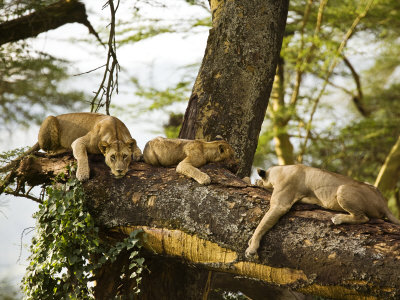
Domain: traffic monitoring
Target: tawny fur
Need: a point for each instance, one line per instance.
(188, 155)
(293, 183)
(90, 133)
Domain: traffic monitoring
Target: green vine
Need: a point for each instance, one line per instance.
(67, 249)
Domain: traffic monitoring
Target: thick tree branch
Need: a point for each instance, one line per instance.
(209, 227)
(45, 19)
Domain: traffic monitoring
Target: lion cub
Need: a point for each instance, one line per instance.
(90, 133)
(188, 155)
(294, 183)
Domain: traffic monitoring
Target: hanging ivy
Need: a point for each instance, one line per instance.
(67, 250)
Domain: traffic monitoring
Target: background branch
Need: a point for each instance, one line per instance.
(110, 71)
(42, 20)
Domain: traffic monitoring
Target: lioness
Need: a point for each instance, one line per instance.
(188, 155)
(90, 133)
(295, 183)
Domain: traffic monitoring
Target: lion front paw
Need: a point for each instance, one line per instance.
(82, 174)
(251, 253)
(138, 158)
(337, 220)
(258, 182)
(204, 180)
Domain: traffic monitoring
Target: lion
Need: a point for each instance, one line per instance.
(300, 183)
(89, 133)
(188, 155)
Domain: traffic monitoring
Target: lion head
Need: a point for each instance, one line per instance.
(225, 154)
(225, 151)
(264, 179)
(118, 156)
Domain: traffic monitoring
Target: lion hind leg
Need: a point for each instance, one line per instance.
(187, 169)
(49, 135)
(351, 201)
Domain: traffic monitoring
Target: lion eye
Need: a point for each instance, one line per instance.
(112, 157)
(125, 156)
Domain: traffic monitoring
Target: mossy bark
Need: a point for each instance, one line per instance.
(231, 92)
(208, 227)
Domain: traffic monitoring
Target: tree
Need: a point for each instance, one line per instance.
(230, 95)
(214, 223)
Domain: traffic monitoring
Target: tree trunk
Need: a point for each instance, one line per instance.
(231, 92)
(189, 227)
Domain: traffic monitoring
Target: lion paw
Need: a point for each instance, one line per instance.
(82, 174)
(258, 182)
(138, 158)
(337, 220)
(204, 180)
(251, 253)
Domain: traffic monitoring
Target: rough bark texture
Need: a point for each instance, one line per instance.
(231, 91)
(208, 227)
(50, 17)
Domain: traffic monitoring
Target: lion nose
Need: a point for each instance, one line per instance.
(119, 171)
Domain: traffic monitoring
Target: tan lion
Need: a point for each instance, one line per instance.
(89, 133)
(188, 155)
(295, 183)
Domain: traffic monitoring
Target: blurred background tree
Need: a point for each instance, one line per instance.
(32, 83)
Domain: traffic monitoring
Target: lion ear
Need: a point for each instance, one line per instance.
(103, 146)
(262, 173)
(218, 138)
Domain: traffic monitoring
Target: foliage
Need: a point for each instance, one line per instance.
(146, 24)
(355, 147)
(31, 81)
(23, 99)
(8, 156)
(161, 99)
(172, 128)
(67, 249)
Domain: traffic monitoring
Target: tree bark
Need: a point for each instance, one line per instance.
(231, 92)
(45, 19)
(208, 227)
